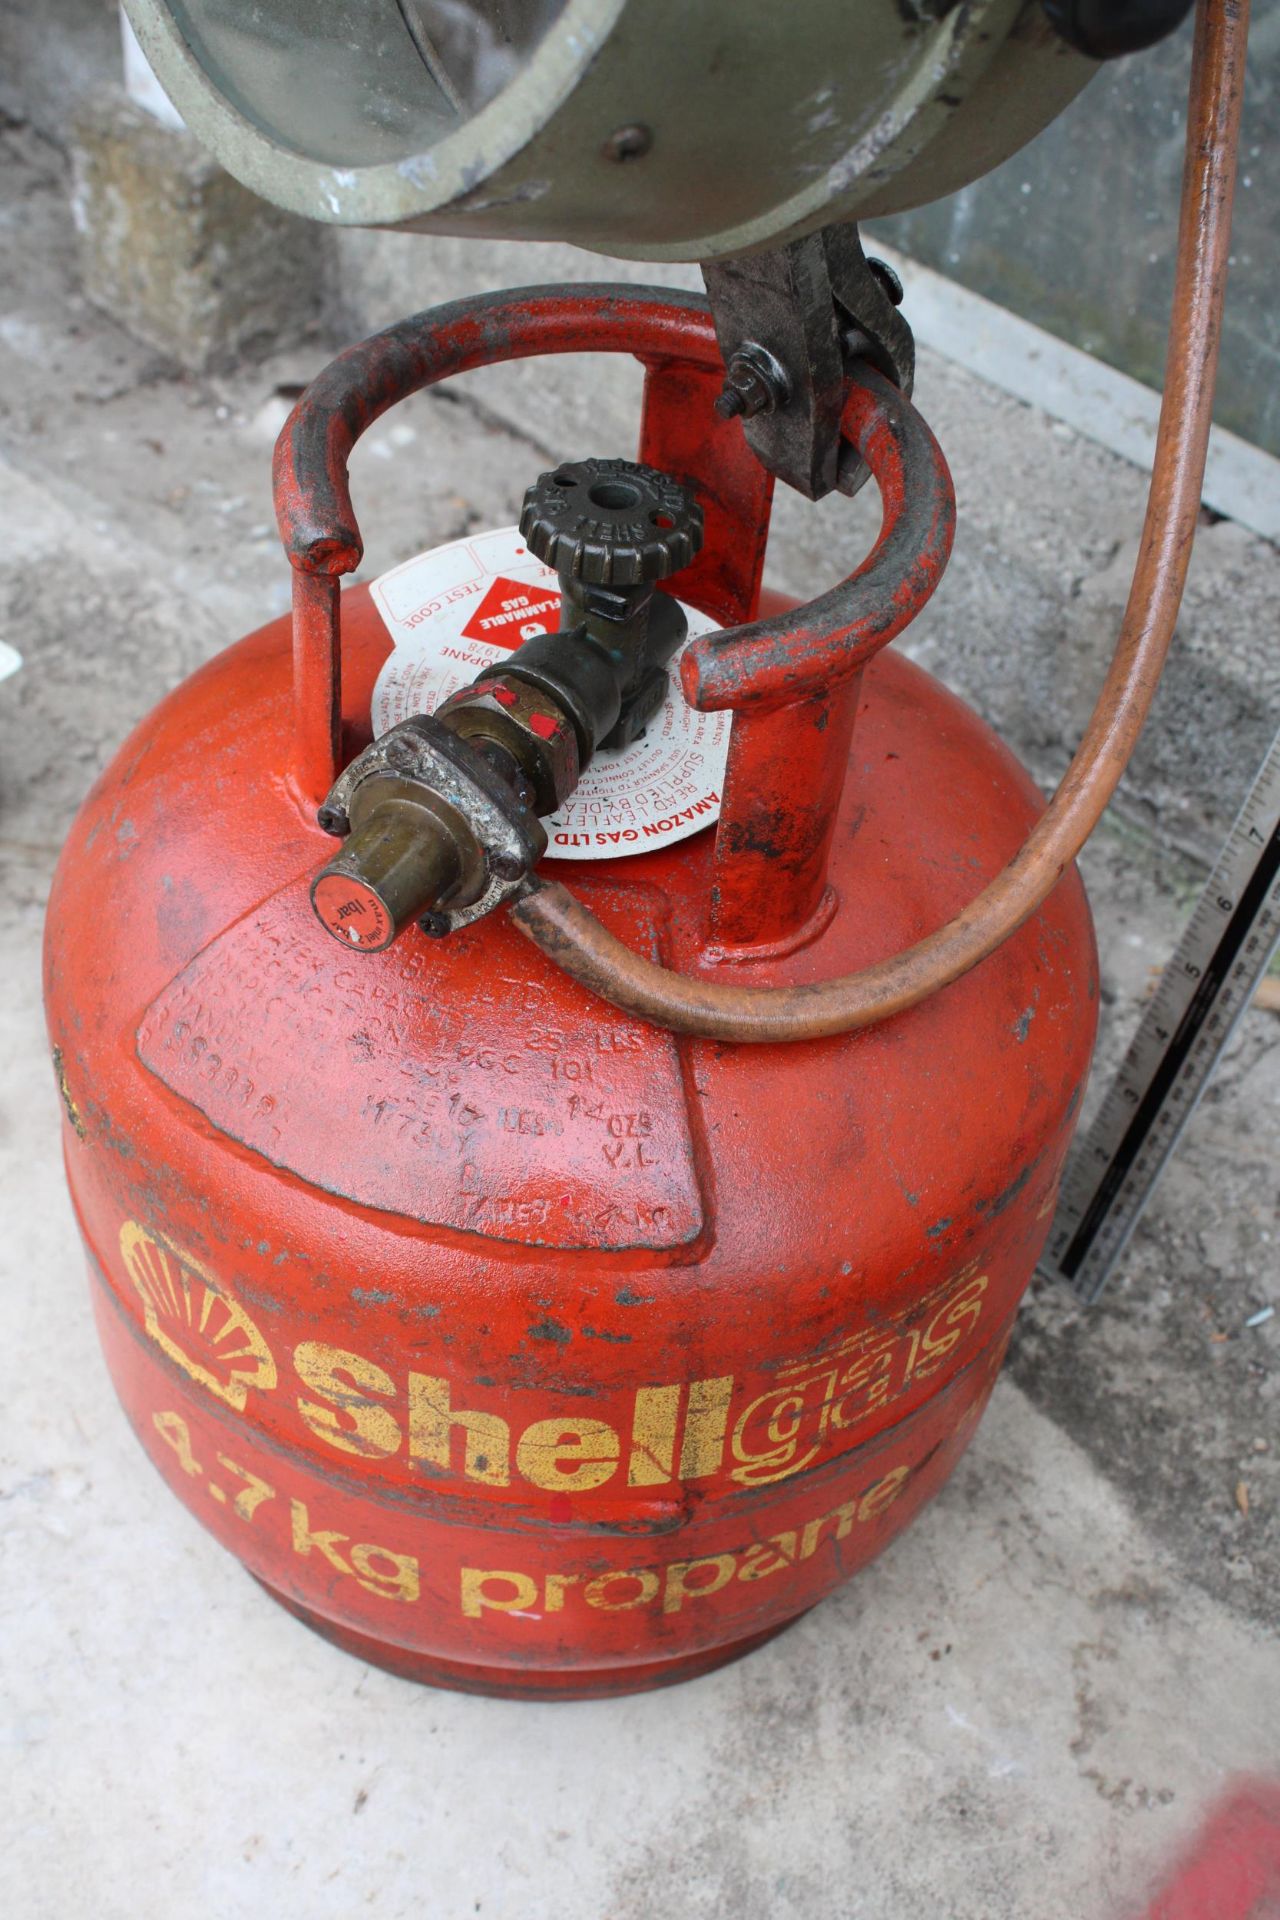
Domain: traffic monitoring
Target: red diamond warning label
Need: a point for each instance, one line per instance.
(512, 611)
(459, 609)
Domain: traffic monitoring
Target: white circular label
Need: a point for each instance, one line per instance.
(457, 609)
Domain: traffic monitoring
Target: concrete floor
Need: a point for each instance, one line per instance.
(1027, 1706)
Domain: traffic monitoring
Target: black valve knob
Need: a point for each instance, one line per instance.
(611, 523)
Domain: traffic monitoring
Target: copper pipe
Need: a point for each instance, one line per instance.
(565, 931)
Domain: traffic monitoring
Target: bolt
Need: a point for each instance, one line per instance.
(436, 924)
(507, 866)
(331, 821)
(754, 382)
(888, 279)
(855, 344)
(628, 143)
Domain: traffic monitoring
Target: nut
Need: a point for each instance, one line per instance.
(888, 279)
(528, 724)
(755, 382)
(628, 143)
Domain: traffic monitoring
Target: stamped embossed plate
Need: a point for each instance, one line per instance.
(464, 1122)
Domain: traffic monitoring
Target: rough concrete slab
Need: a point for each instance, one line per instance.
(53, 53)
(1019, 1713)
(176, 250)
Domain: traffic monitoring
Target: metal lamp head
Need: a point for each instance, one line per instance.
(647, 129)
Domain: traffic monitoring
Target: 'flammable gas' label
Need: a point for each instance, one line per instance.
(458, 609)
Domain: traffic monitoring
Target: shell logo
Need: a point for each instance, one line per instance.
(193, 1318)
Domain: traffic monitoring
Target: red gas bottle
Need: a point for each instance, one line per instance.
(511, 1341)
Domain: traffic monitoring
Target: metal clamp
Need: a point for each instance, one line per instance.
(793, 324)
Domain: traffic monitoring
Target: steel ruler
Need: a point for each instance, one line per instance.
(1212, 977)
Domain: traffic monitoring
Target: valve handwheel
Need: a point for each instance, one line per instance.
(611, 523)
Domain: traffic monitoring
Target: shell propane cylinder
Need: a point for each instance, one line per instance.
(513, 1340)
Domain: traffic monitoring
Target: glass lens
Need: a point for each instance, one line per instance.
(361, 82)
(475, 48)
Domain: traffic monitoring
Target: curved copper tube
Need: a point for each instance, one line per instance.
(575, 940)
